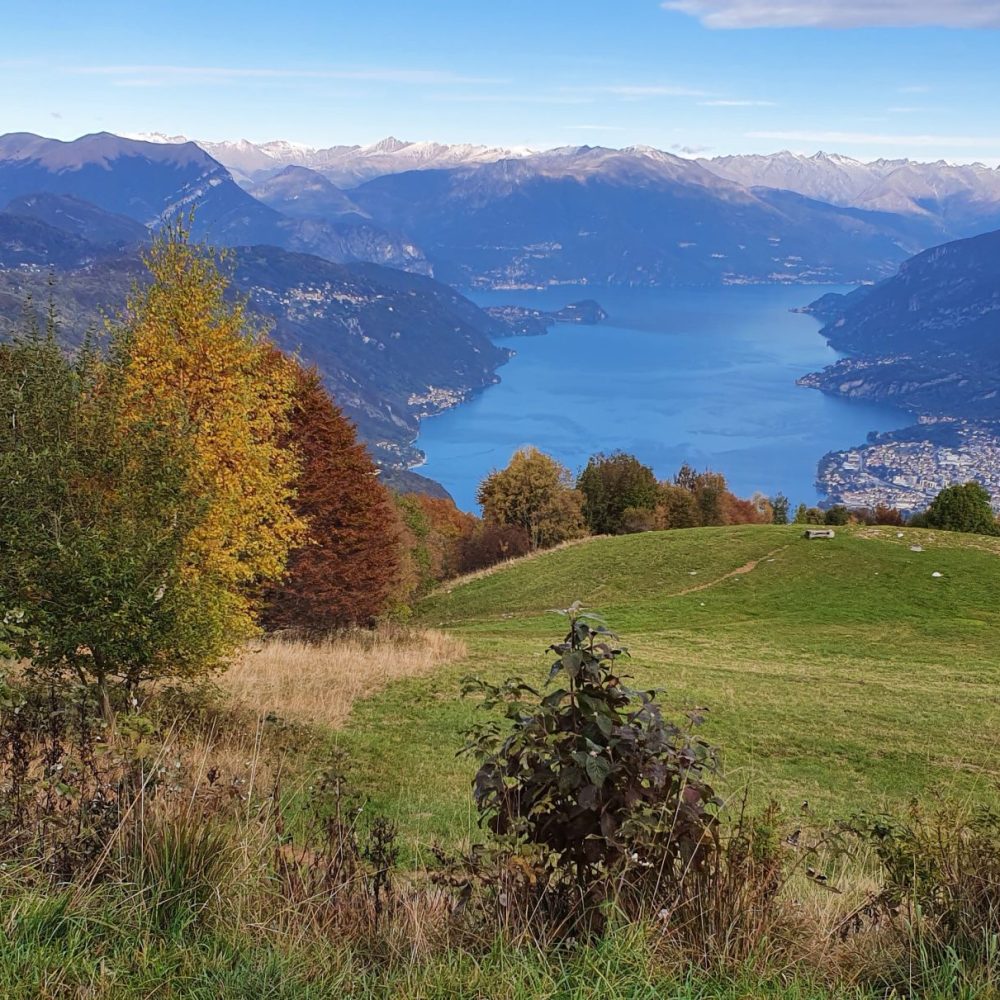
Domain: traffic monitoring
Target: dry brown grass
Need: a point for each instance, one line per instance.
(320, 682)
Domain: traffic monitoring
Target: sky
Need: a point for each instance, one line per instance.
(866, 78)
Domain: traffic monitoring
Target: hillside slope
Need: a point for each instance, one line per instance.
(927, 339)
(840, 672)
(625, 217)
(392, 346)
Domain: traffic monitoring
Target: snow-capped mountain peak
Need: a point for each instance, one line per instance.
(885, 185)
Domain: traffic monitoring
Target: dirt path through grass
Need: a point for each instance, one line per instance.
(747, 567)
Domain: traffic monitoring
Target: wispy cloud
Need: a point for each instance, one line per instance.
(690, 150)
(168, 74)
(914, 88)
(737, 104)
(651, 90)
(840, 13)
(880, 139)
(638, 91)
(904, 109)
(555, 99)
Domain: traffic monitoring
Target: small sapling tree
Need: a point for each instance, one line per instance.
(592, 778)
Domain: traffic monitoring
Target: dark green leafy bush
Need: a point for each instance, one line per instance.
(589, 781)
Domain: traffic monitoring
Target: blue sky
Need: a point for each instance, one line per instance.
(867, 78)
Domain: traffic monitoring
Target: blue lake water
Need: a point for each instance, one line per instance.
(704, 376)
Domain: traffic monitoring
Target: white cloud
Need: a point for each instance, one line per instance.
(737, 104)
(157, 75)
(557, 99)
(597, 128)
(877, 139)
(635, 91)
(840, 13)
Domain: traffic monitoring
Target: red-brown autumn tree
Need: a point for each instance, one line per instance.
(446, 526)
(348, 573)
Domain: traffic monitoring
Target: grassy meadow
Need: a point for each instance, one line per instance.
(839, 676)
(840, 673)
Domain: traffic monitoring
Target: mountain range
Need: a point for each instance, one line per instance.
(152, 182)
(345, 166)
(343, 272)
(596, 216)
(963, 199)
(491, 217)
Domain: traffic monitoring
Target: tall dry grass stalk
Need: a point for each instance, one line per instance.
(320, 681)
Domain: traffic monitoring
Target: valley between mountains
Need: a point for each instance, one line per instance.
(354, 255)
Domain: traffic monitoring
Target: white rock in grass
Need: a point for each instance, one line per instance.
(936, 573)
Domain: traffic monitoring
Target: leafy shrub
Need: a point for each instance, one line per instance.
(11, 632)
(591, 781)
(756, 510)
(809, 515)
(337, 876)
(889, 515)
(490, 544)
(63, 791)
(962, 508)
(637, 519)
(181, 820)
(729, 912)
(612, 486)
(939, 883)
(837, 515)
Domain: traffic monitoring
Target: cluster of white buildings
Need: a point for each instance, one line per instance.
(909, 474)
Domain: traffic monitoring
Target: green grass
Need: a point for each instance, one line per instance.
(842, 673)
(839, 672)
(105, 948)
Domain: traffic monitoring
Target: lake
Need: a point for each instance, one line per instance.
(704, 376)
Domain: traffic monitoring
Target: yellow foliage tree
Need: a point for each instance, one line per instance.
(194, 363)
(535, 493)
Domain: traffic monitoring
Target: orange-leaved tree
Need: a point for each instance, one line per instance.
(534, 492)
(348, 572)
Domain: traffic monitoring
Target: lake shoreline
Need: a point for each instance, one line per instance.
(700, 375)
